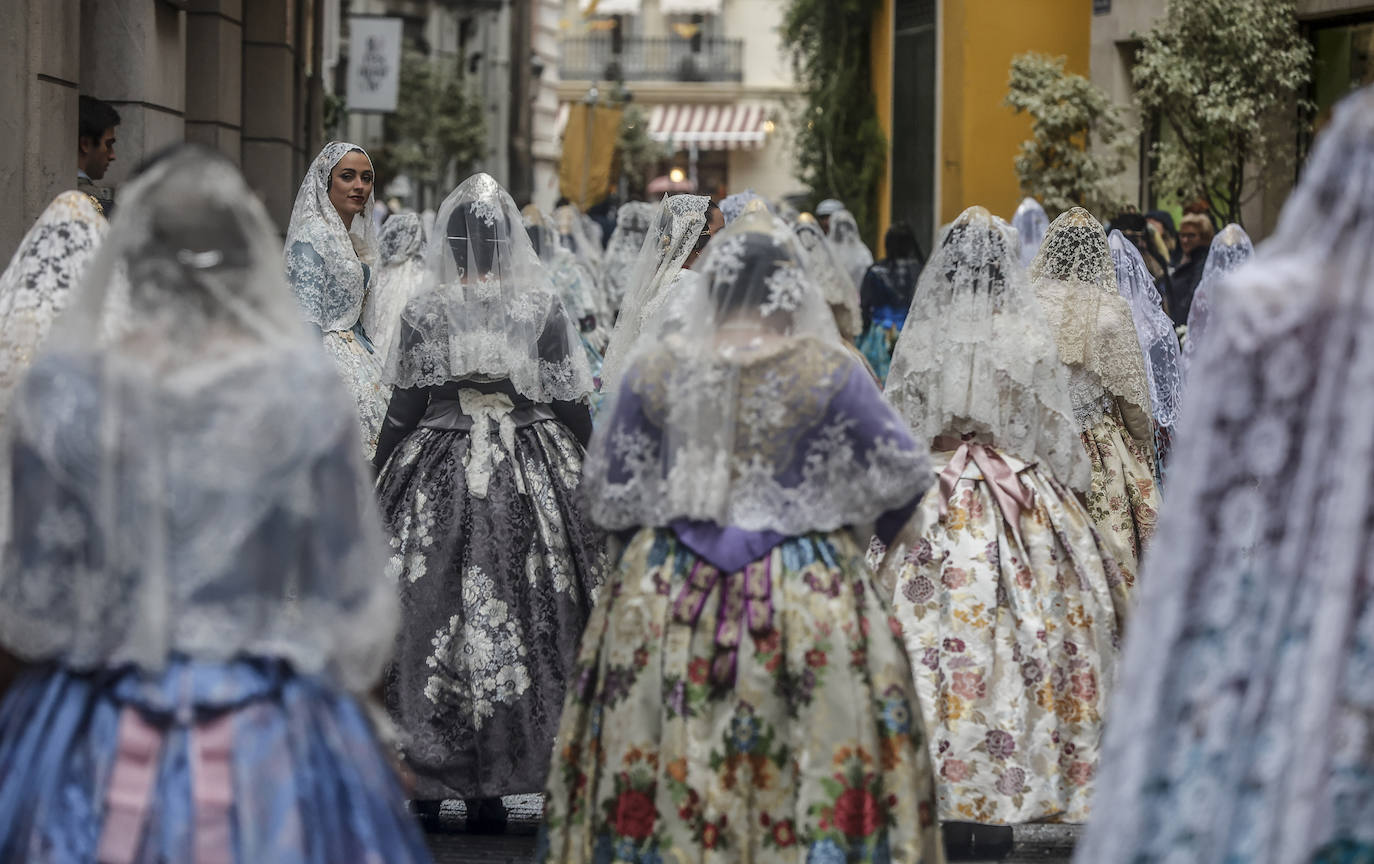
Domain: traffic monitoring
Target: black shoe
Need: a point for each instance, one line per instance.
(486, 816)
(965, 841)
(427, 814)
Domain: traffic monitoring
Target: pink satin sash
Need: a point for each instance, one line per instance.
(1011, 496)
(130, 791)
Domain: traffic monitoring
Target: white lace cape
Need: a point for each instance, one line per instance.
(190, 474)
(977, 355)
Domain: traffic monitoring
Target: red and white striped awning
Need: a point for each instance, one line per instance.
(710, 127)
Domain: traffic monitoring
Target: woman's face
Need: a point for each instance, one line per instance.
(350, 185)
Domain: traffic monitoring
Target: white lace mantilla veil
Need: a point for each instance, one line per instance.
(631, 226)
(34, 289)
(329, 284)
(1075, 280)
(672, 235)
(849, 246)
(37, 285)
(487, 309)
(841, 292)
(977, 355)
(731, 415)
(1031, 222)
(1241, 719)
(400, 269)
(1154, 330)
(191, 478)
(1229, 250)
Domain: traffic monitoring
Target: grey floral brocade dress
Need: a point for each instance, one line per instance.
(497, 572)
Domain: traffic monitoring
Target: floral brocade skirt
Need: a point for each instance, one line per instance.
(1124, 499)
(766, 716)
(497, 570)
(361, 371)
(239, 763)
(1013, 636)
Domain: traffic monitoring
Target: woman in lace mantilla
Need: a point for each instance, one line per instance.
(399, 271)
(1031, 222)
(741, 649)
(631, 226)
(848, 244)
(661, 273)
(1241, 728)
(573, 280)
(1230, 249)
(1075, 279)
(1010, 602)
(480, 459)
(1158, 342)
(331, 250)
(196, 575)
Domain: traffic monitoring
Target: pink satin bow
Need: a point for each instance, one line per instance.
(1011, 496)
(130, 791)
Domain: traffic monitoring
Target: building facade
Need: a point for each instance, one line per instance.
(237, 75)
(712, 76)
(940, 72)
(1342, 37)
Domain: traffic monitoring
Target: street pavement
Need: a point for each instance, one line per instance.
(1035, 844)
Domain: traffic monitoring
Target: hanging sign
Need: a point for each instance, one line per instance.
(374, 63)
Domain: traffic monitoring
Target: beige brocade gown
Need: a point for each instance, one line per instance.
(1124, 499)
(1013, 631)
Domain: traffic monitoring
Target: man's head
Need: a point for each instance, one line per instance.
(95, 137)
(900, 241)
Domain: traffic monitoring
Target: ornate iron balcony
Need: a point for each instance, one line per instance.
(632, 58)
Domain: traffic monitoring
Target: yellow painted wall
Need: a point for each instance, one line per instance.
(979, 135)
(881, 71)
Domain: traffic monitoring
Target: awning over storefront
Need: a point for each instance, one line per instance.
(610, 7)
(689, 7)
(709, 127)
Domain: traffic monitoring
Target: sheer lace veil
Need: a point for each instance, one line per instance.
(1031, 222)
(188, 457)
(840, 291)
(1229, 250)
(977, 355)
(1075, 279)
(1153, 328)
(669, 241)
(1245, 684)
(487, 308)
(37, 284)
(631, 226)
(849, 246)
(329, 284)
(399, 272)
(733, 413)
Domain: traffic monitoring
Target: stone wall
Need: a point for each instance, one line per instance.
(230, 74)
